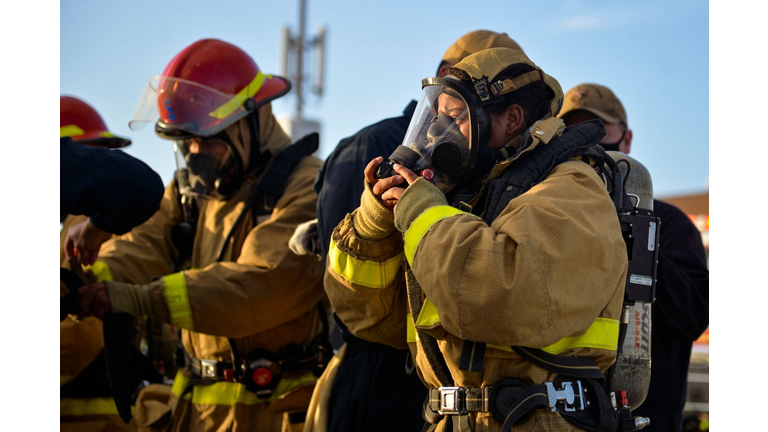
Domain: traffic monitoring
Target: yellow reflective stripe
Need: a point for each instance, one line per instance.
(229, 393)
(175, 292)
(237, 101)
(90, 406)
(410, 330)
(428, 316)
(101, 271)
(370, 274)
(69, 130)
(422, 225)
(602, 334)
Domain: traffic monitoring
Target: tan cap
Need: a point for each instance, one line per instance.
(597, 99)
(475, 41)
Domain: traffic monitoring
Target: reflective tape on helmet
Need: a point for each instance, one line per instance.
(70, 130)
(422, 225)
(602, 334)
(101, 271)
(370, 274)
(236, 102)
(175, 293)
(90, 406)
(231, 393)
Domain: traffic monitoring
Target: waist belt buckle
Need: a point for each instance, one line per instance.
(571, 400)
(453, 401)
(208, 369)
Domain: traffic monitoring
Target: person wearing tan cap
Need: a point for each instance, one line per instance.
(372, 390)
(680, 313)
(493, 254)
(590, 101)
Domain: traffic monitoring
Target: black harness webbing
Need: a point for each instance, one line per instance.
(575, 366)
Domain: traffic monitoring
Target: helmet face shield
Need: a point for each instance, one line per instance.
(207, 164)
(444, 132)
(180, 107)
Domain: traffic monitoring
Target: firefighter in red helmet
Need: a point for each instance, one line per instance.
(79, 120)
(214, 260)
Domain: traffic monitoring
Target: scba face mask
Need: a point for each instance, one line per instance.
(208, 166)
(443, 139)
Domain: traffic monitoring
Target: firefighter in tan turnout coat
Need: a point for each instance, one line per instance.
(501, 248)
(214, 260)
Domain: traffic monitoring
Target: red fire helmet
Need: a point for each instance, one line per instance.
(206, 87)
(83, 123)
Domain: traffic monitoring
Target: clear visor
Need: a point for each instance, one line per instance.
(439, 134)
(203, 163)
(181, 105)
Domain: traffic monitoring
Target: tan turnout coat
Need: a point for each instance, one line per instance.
(551, 264)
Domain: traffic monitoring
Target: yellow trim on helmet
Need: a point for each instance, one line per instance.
(70, 130)
(370, 274)
(231, 393)
(236, 102)
(422, 225)
(90, 406)
(602, 334)
(175, 293)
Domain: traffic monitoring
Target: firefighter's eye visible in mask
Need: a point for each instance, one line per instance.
(456, 109)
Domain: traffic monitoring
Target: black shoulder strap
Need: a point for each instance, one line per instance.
(270, 187)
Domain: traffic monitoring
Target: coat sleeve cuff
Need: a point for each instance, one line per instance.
(136, 300)
(372, 221)
(418, 197)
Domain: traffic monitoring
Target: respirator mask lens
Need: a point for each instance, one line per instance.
(436, 145)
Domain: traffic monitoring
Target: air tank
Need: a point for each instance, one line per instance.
(633, 364)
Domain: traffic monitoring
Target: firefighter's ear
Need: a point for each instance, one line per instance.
(626, 144)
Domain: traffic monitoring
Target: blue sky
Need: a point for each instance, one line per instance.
(653, 54)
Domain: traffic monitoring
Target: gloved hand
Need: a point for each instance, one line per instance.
(372, 220)
(100, 298)
(84, 241)
(305, 240)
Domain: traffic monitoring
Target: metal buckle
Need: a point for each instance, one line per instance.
(571, 400)
(453, 400)
(208, 369)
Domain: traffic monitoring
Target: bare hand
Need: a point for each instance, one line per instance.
(84, 241)
(94, 299)
(388, 190)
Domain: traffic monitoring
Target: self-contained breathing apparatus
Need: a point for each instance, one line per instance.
(582, 393)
